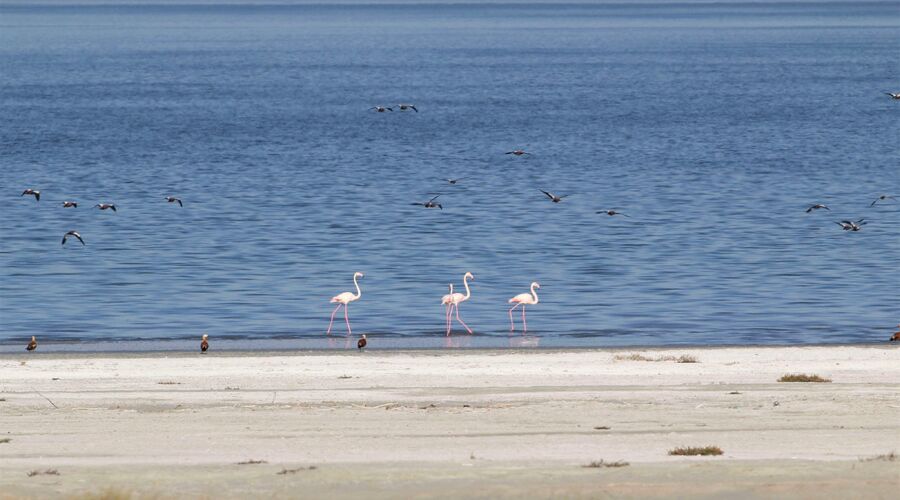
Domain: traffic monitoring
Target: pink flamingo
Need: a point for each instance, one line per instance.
(523, 299)
(446, 300)
(344, 299)
(457, 298)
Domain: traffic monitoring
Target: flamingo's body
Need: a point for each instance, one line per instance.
(344, 299)
(456, 299)
(523, 299)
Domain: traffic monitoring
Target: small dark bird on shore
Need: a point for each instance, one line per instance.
(404, 107)
(883, 197)
(848, 225)
(894, 337)
(32, 345)
(381, 109)
(612, 212)
(70, 204)
(894, 95)
(430, 203)
(105, 206)
(816, 207)
(32, 192)
(72, 233)
(362, 342)
(172, 199)
(553, 197)
(518, 152)
(204, 343)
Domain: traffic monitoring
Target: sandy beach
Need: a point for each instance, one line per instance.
(442, 424)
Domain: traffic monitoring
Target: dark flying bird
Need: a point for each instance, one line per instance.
(612, 212)
(72, 233)
(381, 109)
(362, 342)
(70, 204)
(454, 181)
(430, 203)
(32, 192)
(204, 343)
(404, 107)
(553, 197)
(848, 225)
(31, 345)
(104, 206)
(893, 95)
(883, 197)
(172, 199)
(816, 207)
(518, 152)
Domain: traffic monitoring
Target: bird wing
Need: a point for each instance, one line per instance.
(37, 195)
(414, 109)
(549, 195)
(436, 197)
(79, 238)
(64, 240)
(874, 202)
(180, 204)
(113, 207)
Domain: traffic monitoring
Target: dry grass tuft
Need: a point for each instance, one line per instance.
(168, 382)
(285, 471)
(345, 377)
(802, 377)
(5, 440)
(110, 494)
(48, 472)
(890, 457)
(602, 427)
(601, 463)
(252, 462)
(696, 450)
(684, 358)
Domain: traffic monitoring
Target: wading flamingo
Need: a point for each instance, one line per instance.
(344, 299)
(457, 298)
(523, 299)
(447, 300)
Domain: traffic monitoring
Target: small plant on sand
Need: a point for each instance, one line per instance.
(252, 462)
(684, 358)
(109, 494)
(802, 377)
(602, 427)
(890, 457)
(342, 377)
(285, 471)
(696, 450)
(168, 382)
(48, 472)
(596, 464)
(5, 440)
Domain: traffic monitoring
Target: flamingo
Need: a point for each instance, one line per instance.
(457, 298)
(523, 299)
(344, 299)
(446, 300)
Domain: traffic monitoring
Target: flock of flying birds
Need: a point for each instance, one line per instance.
(451, 300)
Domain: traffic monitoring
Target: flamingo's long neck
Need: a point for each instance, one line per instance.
(466, 284)
(358, 291)
(534, 294)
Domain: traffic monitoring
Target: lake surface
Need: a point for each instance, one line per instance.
(713, 126)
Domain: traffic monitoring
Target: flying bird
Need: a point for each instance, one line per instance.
(172, 199)
(883, 197)
(361, 342)
(553, 197)
(457, 298)
(893, 95)
(72, 233)
(454, 181)
(612, 212)
(848, 225)
(518, 152)
(32, 192)
(816, 207)
(404, 107)
(70, 204)
(32, 345)
(344, 299)
(204, 343)
(105, 206)
(430, 203)
(381, 109)
(523, 299)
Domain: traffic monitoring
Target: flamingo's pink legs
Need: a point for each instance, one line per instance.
(512, 325)
(347, 318)
(461, 321)
(524, 325)
(332, 318)
(447, 317)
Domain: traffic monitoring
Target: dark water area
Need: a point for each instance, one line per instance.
(713, 126)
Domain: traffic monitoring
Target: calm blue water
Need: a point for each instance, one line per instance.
(712, 125)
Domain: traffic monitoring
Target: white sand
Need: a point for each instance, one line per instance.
(448, 424)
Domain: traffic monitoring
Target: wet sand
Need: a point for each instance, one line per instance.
(442, 424)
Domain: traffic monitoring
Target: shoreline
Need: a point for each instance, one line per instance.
(490, 423)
